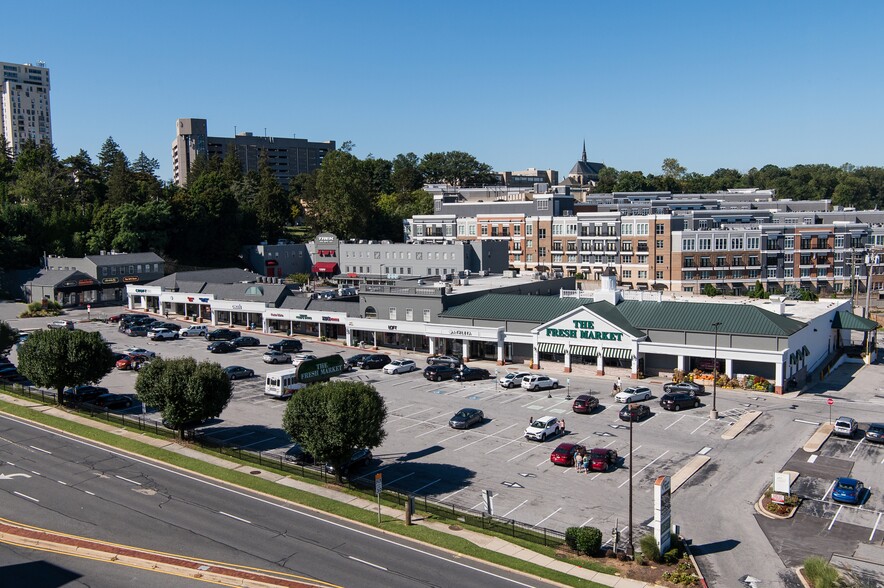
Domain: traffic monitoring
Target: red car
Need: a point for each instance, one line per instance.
(602, 460)
(565, 452)
(131, 362)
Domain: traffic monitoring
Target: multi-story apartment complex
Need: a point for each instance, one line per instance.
(287, 157)
(680, 243)
(24, 105)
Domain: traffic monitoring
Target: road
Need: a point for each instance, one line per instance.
(82, 489)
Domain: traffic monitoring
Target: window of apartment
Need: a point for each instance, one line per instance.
(626, 246)
(377, 254)
(625, 259)
(571, 229)
(131, 269)
(529, 229)
(738, 274)
(805, 260)
(839, 271)
(705, 243)
(642, 259)
(419, 255)
(541, 233)
(721, 274)
(736, 243)
(687, 245)
(556, 229)
(517, 230)
(789, 258)
(409, 314)
(472, 230)
(541, 251)
(752, 274)
(688, 261)
(642, 274)
(484, 231)
(659, 275)
(839, 287)
(822, 242)
(772, 243)
(104, 271)
(641, 228)
(392, 313)
(642, 246)
(753, 242)
(771, 272)
(627, 273)
(721, 243)
(788, 272)
(660, 229)
(753, 260)
(721, 261)
(805, 272)
(658, 260)
(543, 204)
(702, 224)
(659, 244)
(805, 242)
(839, 241)
(626, 229)
(789, 242)
(705, 262)
(517, 245)
(704, 275)
(808, 220)
(557, 246)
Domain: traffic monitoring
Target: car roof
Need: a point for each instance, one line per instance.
(567, 445)
(848, 481)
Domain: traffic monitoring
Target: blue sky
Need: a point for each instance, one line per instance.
(517, 84)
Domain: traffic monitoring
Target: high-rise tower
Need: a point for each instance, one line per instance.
(24, 104)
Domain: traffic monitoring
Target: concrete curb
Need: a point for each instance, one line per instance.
(740, 425)
(818, 438)
(685, 473)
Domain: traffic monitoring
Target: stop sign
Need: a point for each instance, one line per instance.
(830, 402)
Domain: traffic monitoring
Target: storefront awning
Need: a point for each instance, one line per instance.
(584, 350)
(551, 347)
(847, 320)
(616, 353)
(325, 267)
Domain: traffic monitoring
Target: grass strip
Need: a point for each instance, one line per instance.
(321, 503)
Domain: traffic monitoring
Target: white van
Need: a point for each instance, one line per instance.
(282, 384)
(194, 331)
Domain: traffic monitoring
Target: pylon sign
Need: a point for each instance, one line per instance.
(662, 514)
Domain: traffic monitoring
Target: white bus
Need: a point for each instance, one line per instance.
(282, 384)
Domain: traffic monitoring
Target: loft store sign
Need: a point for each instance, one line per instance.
(584, 330)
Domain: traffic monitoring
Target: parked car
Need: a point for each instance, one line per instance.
(123, 316)
(691, 387)
(237, 372)
(112, 401)
(298, 455)
(358, 458)
(844, 427)
(194, 331)
(602, 459)
(466, 418)
(437, 373)
(145, 321)
(137, 331)
(141, 351)
(246, 341)
(162, 335)
(539, 382)
(565, 453)
(400, 366)
(83, 393)
(286, 346)
(636, 394)
(300, 358)
(375, 361)
(131, 361)
(222, 335)
(512, 379)
(543, 428)
(160, 325)
(875, 433)
(130, 318)
(271, 356)
(848, 490)
(61, 324)
(635, 412)
(221, 347)
(679, 400)
(467, 374)
(585, 404)
(443, 360)
(353, 361)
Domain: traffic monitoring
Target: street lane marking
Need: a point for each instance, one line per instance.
(510, 511)
(812, 458)
(234, 517)
(857, 446)
(551, 514)
(875, 528)
(128, 480)
(425, 486)
(368, 563)
(675, 422)
(25, 496)
(452, 494)
(643, 469)
(38, 449)
(391, 482)
(35, 473)
(587, 521)
(835, 517)
(62, 483)
(89, 493)
(485, 438)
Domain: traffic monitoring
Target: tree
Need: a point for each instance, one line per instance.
(329, 420)
(8, 335)
(58, 359)
(456, 168)
(343, 202)
(406, 176)
(107, 156)
(271, 203)
(184, 391)
(673, 169)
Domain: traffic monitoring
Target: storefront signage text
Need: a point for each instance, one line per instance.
(303, 317)
(130, 279)
(584, 330)
(110, 280)
(330, 319)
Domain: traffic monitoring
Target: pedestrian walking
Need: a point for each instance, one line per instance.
(586, 463)
(562, 425)
(619, 384)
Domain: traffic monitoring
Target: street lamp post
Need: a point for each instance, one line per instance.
(630, 548)
(713, 414)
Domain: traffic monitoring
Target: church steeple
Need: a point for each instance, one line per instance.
(583, 158)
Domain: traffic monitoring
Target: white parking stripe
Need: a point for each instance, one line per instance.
(505, 515)
(410, 415)
(505, 444)
(698, 428)
(419, 423)
(452, 494)
(835, 517)
(675, 422)
(431, 431)
(643, 469)
(551, 514)
(399, 478)
(426, 486)
(875, 528)
(530, 449)
(587, 521)
(485, 438)
(832, 485)
(857, 447)
(453, 436)
(235, 437)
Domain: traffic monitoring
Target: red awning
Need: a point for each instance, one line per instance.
(325, 267)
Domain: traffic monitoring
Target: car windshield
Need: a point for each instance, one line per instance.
(462, 413)
(846, 485)
(539, 424)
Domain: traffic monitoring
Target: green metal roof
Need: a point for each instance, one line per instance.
(847, 320)
(631, 315)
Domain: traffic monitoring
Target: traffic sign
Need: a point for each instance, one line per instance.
(830, 401)
(378, 484)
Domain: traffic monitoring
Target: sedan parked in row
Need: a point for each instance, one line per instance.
(375, 361)
(272, 356)
(221, 347)
(602, 459)
(83, 393)
(112, 401)
(585, 404)
(162, 335)
(237, 372)
(353, 361)
(246, 341)
(437, 373)
(466, 418)
(467, 374)
(286, 346)
(443, 360)
(141, 351)
(400, 366)
(566, 453)
(539, 382)
(679, 400)
(61, 324)
(635, 412)
(848, 490)
(875, 433)
(636, 394)
(512, 379)
(222, 335)
(691, 387)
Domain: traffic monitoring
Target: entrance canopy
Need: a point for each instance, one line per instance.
(847, 320)
(325, 267)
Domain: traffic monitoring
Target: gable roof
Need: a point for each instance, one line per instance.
(698, 317)
(55, 277)
(586, 168)
(115, 258)
(251, 292)
(196, 281)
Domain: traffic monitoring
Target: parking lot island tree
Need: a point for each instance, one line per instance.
(185, 392)
(8, 335)
(329, 420)
(59, 358)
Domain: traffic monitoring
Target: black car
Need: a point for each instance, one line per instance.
(467, 373)
(159, 325)
(691, 387)
(443, 360)
(585, 404)
(286, 346)
(246, 341)
(375, 361)
(466, 418)
(353, 361)
(221, 347)
(297, 455)
(137, 331)
(679, 400)
(358, 458)
(437, 373)
(112, 401)
(875, 433)
(635, 412)
(145, 321)
(83, 393)
(237, 372)
(222, 335)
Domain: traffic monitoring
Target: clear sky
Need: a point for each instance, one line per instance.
(518, 84)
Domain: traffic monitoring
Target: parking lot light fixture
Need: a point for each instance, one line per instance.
(630, 547)
(713, 414)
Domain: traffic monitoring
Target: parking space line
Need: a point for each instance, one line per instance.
(430, 431)
(452, 437)
(675, 422)
(478, 505)
(875, 528)
(258, 442)
(643, 469)
(505, 515)
(832, 485)
(486, 437)
(835, 517)
(698, 428)
(234, 437)
(426, 486)
(452, 494)
(587, 521)
(551, 514)
(812, 458)
(419, 423)
(857, 447)
(410, 415)
(505, 444)
(521, 454)
(391, 482)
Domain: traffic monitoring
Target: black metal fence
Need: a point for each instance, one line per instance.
(454, 513)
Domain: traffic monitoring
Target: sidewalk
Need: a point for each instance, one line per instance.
(485, 541)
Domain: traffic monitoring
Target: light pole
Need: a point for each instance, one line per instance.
(713, 414)
(630, 548)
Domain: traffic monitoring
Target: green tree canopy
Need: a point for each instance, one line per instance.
(183, 390)
(8, 336)
(58, 359)
(343, 201)
(331, 419)
(456, 168)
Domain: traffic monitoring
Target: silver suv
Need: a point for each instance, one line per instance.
(844, 427)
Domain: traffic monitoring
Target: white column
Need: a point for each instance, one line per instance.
(779, 381)
(432, 342)
(729, 367)
(535, 357)
(465, 350)
(214, 318)
(567, 359)
(265, 325)
(600, 364)
(349, 337)
(129, 302)
(683, 363)
(634, 366)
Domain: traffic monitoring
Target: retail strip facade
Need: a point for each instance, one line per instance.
(636, 331)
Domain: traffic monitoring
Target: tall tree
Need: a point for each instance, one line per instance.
(8, 335)
(456, 168)
(328, 420)
(271, 203)
(184, 391)
(107, 156)
(58, 359)
(673, 169)
(88, 189)
(343, 198)
(406, 176)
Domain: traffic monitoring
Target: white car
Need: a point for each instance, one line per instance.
(512, 379)
(194, 331)
(276, 357)
(61, 324)
(636, 394)
(400, 366)
(539, 382)
(162, 335)
(844, 427)
(543, 428)
(140, 351)
(300, 358)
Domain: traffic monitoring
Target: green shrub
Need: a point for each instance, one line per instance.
(649, 548)
(587, 540)
(820, 572)
(671, 556)
(571, 537)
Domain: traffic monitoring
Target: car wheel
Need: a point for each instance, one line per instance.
(677, 408)
(696, 404)
(543, 437)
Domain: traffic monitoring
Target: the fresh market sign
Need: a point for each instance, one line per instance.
(584, 330)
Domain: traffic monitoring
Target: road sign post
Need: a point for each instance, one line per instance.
(378, 486)
(488, 499)
(830, 402)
